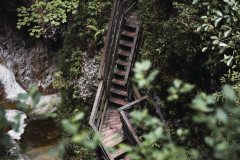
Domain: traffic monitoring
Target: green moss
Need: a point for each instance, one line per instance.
(76, 40)
(175, 49)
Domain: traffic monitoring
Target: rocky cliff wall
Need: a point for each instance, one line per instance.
(32, 61)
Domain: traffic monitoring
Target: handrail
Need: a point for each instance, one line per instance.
(127, 124)
(106, 44)
(96, 105)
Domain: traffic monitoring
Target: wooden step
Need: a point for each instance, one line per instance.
(133, 15)
(118, 101)
(124, 53)
(128, 33)
(118, 81)
(126, 43)
(122, 62)
(131, 25)
(131, 22)
(120, 72)
(118, 153)
(119, 92)
(111, 130)
(110, 136)
(115, 140)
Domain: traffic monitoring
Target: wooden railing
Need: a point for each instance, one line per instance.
(127, 126)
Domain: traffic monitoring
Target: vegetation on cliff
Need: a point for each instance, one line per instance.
(195, 41)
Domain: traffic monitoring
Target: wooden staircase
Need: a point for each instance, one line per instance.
(112, 127)
(120, 52)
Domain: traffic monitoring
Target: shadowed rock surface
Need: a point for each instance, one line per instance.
(32, 61)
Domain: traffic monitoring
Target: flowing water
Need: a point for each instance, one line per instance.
(36, 138)
(24, 62)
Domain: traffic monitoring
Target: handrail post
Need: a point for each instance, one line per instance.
(106, 44)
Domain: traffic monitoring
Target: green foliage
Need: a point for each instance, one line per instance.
(4, 124)
(223, 122)
(177, 48)
(75, 64)
(59, 82)
(220, 29)
(141, 77)
(76, 40)
(221, 24)
(77, 136)
(178, 88)
(41, 14)
(155, 133)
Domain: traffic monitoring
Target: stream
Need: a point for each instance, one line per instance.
(24, 62)
(38, 136)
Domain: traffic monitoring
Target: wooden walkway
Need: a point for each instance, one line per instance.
(120, 52)
(112, 127)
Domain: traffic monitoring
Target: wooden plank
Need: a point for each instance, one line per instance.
(96, 103)
(124, 52)
(129, 105)
(133, 6)
(130, 61)
(118, 91)
(136, 92)
(118, 81)
(114, 141)
(101, 109)
(118, 152)
(103, 114)
(105, 151)
(128, 34)
(130, 127)
(118, 101)
(122, 62)
(126, 43)
(120, 72)
(112, 17)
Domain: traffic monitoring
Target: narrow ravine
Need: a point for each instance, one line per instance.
(27, 62)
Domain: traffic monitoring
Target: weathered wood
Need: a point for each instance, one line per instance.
(129, 105)
(118, 81)
(118, 152)
(118, 91)
(130, 9)
(120, 72)
(130, 61)
(106, 44)
(122, 62)
(126, 43)
(114, 141)
(118, 101)
(136, 92)
(96, 103)
(114, 57)
(103, 114)
(126, 122)
(128, 34)
(124, 52)
(130, 127)
(102, 107)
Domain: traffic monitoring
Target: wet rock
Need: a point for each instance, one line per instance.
(32, 61)
(2, 92)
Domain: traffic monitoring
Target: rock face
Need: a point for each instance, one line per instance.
(2, 92)
(32, 61)
(88, 82)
